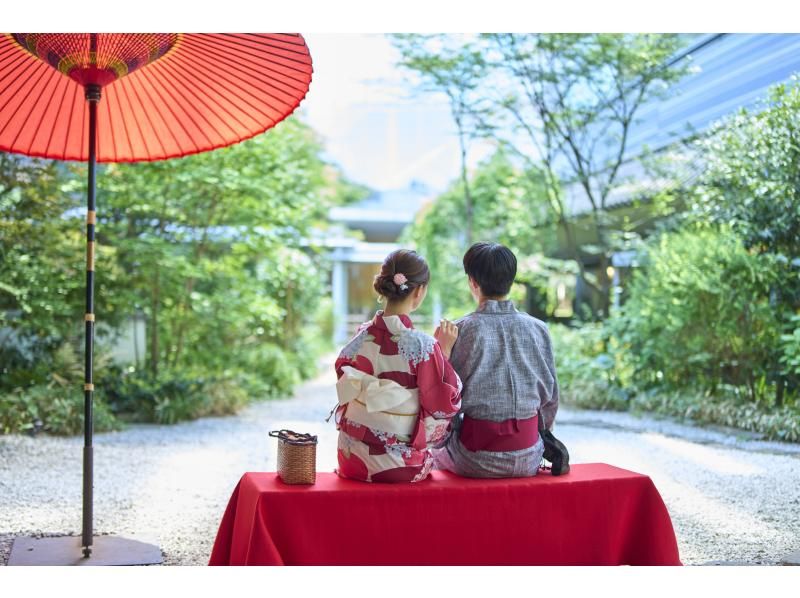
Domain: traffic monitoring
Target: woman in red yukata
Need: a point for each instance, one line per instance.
(397, 390)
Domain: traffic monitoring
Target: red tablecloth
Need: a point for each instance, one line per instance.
(596, 515)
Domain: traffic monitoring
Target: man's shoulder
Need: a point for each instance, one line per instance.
(532, 321)
(538, 328)
(466, 322)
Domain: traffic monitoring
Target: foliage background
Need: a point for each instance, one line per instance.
(705, 325)
(709, 330)
(211, 250)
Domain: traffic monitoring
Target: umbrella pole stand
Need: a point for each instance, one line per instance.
(89, 550)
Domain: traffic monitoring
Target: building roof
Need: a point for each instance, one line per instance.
(384, 214)
(731, 70)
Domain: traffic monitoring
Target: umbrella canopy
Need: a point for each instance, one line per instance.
(129, 97)
(165, 95)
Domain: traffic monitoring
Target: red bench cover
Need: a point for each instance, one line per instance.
(595, 515)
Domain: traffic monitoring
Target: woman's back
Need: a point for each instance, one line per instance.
(397, 394)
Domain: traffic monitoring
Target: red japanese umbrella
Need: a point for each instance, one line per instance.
(129, 97)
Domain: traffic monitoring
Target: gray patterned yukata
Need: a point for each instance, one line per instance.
(505, 360)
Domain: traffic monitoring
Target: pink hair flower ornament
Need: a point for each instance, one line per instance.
(400, 280)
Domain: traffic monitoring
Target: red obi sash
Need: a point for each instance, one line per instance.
(507, 435)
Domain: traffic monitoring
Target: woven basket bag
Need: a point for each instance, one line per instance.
(297, 457)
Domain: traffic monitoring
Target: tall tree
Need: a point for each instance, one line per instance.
(569, 101)
(193, 235)
(41, 258)
(750, 183)
(211, 249)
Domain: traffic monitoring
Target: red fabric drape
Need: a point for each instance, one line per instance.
(596, 515)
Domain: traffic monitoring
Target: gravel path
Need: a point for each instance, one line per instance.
(732, 499)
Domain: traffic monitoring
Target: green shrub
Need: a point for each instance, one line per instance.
(225, 282)
(591, 375)
(173, 397)
(44, 394)
(323, 323)
(751, 168)
(52, 409)
(699, 315)
(136, 396)
(225, 397)
(790, 349)
(587, 372)
(276, 367)
(173, 403)
(773, 423)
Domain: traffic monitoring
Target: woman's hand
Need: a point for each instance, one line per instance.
(446, 333)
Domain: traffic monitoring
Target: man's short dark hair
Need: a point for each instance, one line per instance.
(492, 266)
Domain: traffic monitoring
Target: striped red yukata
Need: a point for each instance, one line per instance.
(397, 394)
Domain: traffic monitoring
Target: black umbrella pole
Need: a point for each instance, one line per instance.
(93, 97)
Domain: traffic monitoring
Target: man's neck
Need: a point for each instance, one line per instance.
(483, 299)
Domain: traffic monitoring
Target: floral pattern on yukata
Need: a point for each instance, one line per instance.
(415, 346)
(352, 348)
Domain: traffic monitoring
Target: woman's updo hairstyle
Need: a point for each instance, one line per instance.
(402, 271)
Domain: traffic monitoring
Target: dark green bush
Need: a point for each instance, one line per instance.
(48, 398)
(592, 375)
(781, 423)
(52, 409)
(43, 392)
(596, 372)
(173, 397)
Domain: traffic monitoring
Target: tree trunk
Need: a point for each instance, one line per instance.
(604, 286)
(288, 322)
(465, 181)
(182, 321)
(779, 388)
(154, 299)
(186, 303)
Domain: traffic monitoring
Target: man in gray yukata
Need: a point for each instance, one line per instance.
(510, 391)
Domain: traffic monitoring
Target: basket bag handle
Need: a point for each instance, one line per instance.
(290, 437)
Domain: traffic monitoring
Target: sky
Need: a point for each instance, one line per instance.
(374, 126)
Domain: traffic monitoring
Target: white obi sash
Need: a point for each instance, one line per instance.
(383, 405)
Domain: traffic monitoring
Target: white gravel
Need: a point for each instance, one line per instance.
(732, 499)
